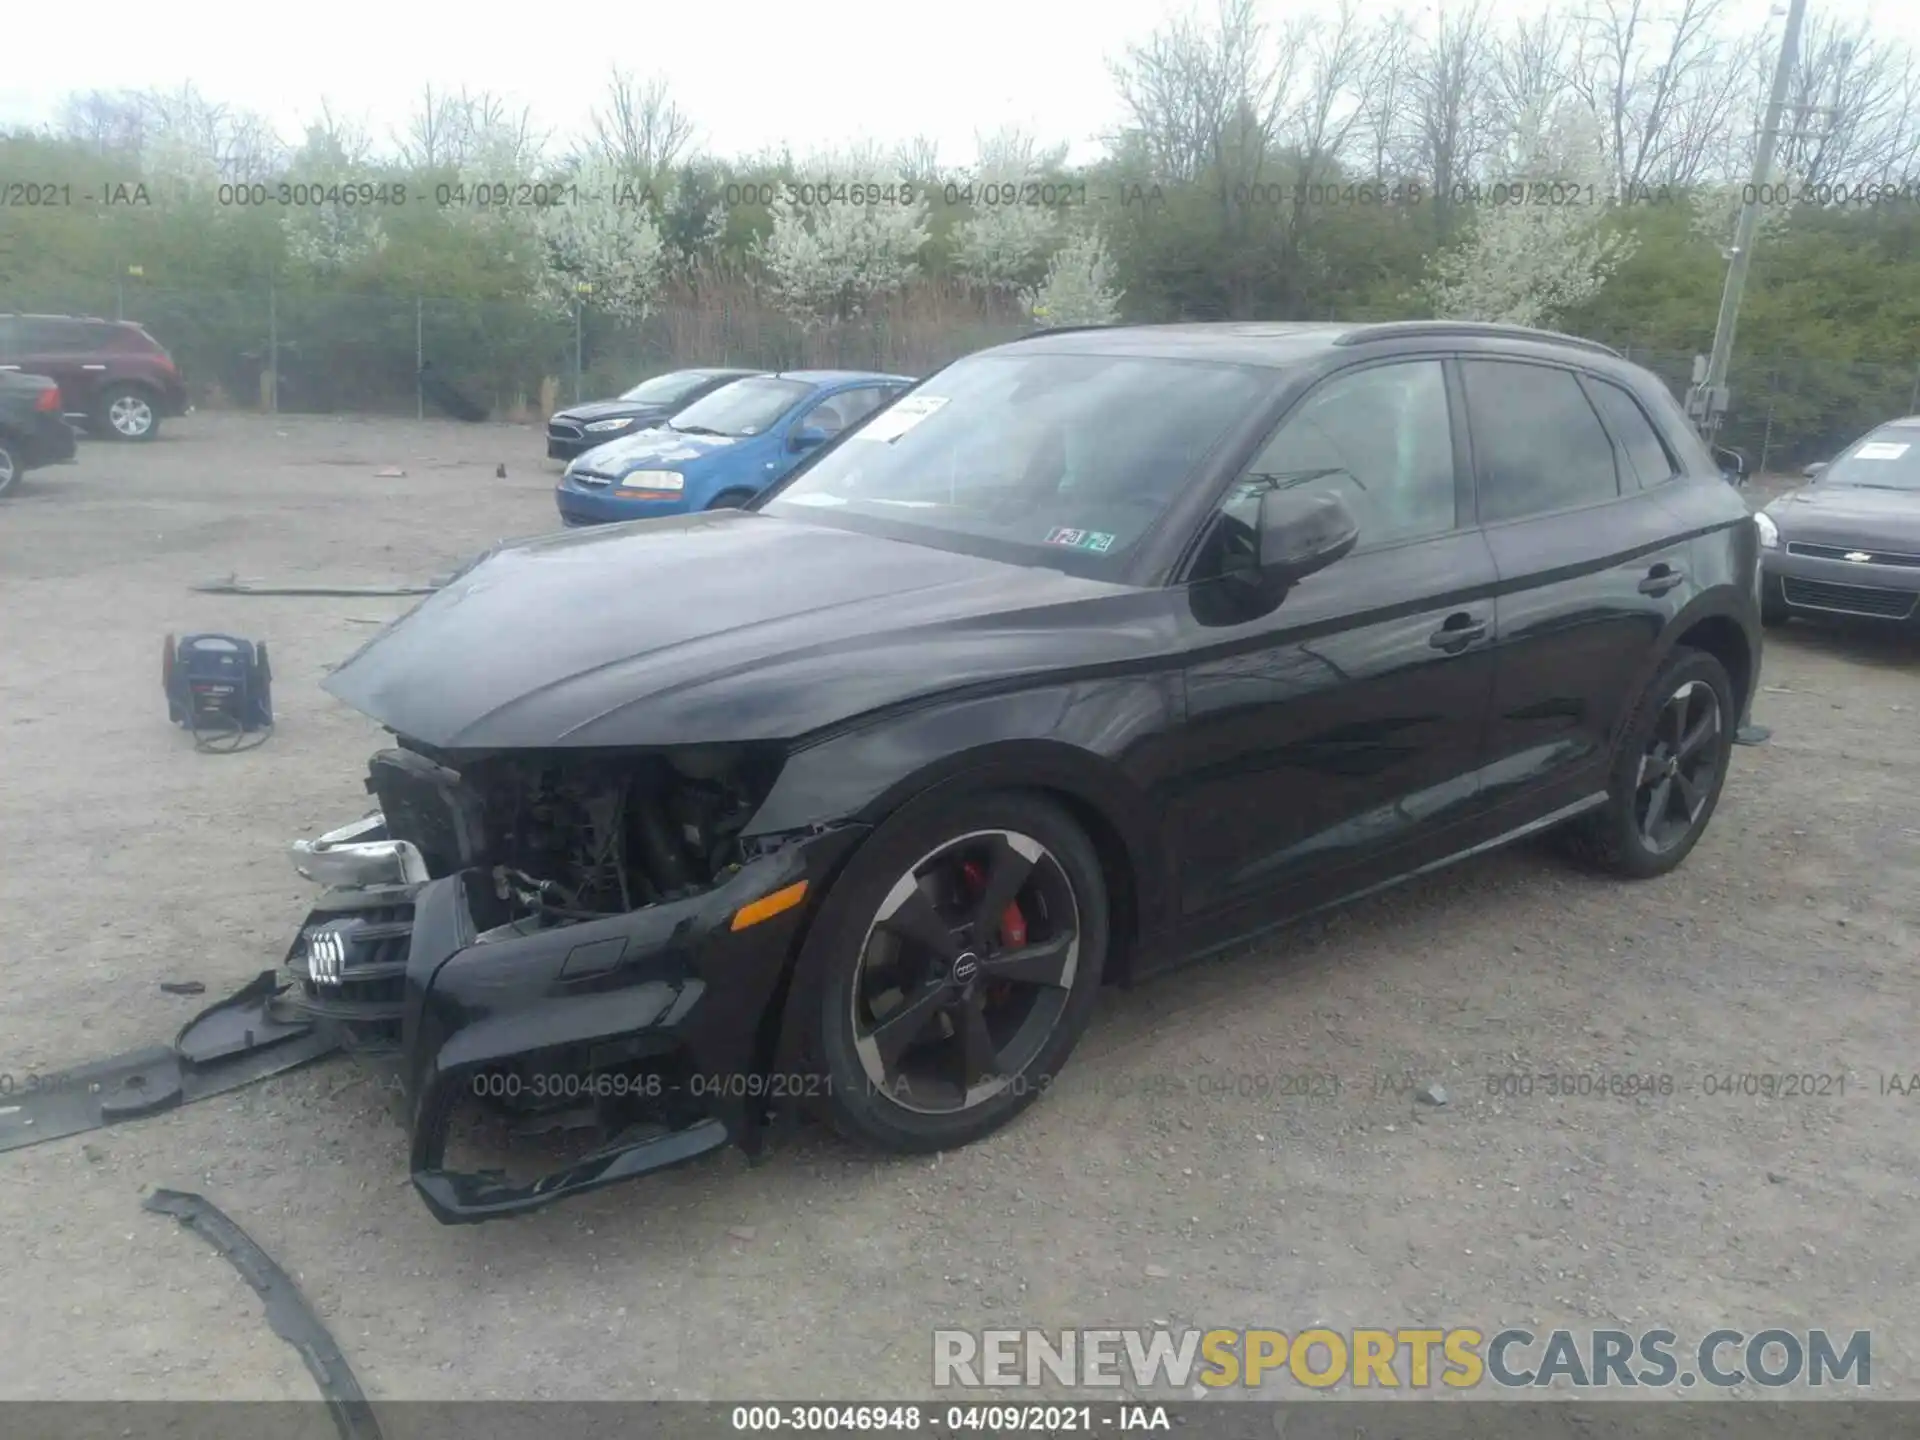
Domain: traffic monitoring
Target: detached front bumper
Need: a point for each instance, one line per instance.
(688, 991)
(1813, 579)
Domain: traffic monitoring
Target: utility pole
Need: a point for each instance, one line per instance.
(1707, 402)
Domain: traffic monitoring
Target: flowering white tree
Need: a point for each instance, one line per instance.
(1004, 243)
(1526, 263)
(601, 235)
(331, 224)
(1078, 288)
(831, 259)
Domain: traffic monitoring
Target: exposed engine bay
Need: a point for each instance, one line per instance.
(567, 835)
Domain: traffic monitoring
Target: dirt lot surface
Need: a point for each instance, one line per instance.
(1145, 1188)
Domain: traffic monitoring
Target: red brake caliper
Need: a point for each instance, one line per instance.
(1013, 925)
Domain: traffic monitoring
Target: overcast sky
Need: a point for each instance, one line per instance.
(753, 73)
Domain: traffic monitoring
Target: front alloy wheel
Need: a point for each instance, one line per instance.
(965, 971)
(959, 960)
(9, 468)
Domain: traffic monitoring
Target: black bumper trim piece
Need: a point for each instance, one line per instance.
(288, 1311)
(228, 1045)
(468, 1199)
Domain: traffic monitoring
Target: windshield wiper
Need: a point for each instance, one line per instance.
(697, 430)
(1287, 479)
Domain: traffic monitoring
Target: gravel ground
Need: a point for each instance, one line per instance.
(1142, 1189)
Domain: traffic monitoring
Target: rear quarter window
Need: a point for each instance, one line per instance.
(129, 338)
(1644, 455)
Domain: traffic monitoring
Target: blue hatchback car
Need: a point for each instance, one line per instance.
(723, 450)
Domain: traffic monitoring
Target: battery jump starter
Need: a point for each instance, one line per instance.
(219, 690)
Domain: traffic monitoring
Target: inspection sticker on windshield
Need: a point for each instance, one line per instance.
(890, 424)
(1880, 450)
(1094, 540)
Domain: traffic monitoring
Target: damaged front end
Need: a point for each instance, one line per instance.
(566, 939)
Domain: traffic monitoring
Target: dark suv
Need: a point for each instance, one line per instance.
(1092, 653)
(114, 377)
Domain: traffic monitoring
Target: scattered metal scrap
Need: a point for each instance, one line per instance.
(232, 585)
(288, 1311)
(227, 1045)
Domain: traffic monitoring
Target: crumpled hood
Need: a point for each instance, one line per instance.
(653, 450)
(718, 626)
(1850, 515)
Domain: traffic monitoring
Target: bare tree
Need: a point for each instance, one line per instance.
(1193, 92)
(467, 130)
(1853, 103)
(1661, 86)
(1386, 98)
(190, 139)
(641, 130)
(1012, 153)
(918, 160)
(106, 122)
(344, 143)
(1453, 90)
(1530, 62)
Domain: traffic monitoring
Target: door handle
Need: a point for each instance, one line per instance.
(93, 367)
(1460, 631)
(1660, 579)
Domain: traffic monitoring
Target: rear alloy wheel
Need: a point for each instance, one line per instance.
(1668, 773)
(965, 947)
(128, 414)
(9, 467)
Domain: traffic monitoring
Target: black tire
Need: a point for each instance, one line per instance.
(10, 467)
(902, 1115)
(1626, 836)
(127, 412)
(731, 499)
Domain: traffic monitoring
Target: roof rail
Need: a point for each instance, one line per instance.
(1413, 329)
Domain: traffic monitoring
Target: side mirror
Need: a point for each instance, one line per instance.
(1732, 464)
(808, 437)
(1300, 534)
(1812, 472)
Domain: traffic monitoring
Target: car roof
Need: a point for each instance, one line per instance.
(714, 370)
(1278, 343)
(836, 377)
(1905, 422)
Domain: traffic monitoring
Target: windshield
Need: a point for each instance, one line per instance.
(746, 407)
(669, 389)
(1888, 459)
(1041, 456)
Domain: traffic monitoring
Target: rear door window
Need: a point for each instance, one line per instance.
(1538, 445)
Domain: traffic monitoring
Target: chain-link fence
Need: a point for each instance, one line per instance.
(339, 352)
(1785, 411)
(342, 353)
